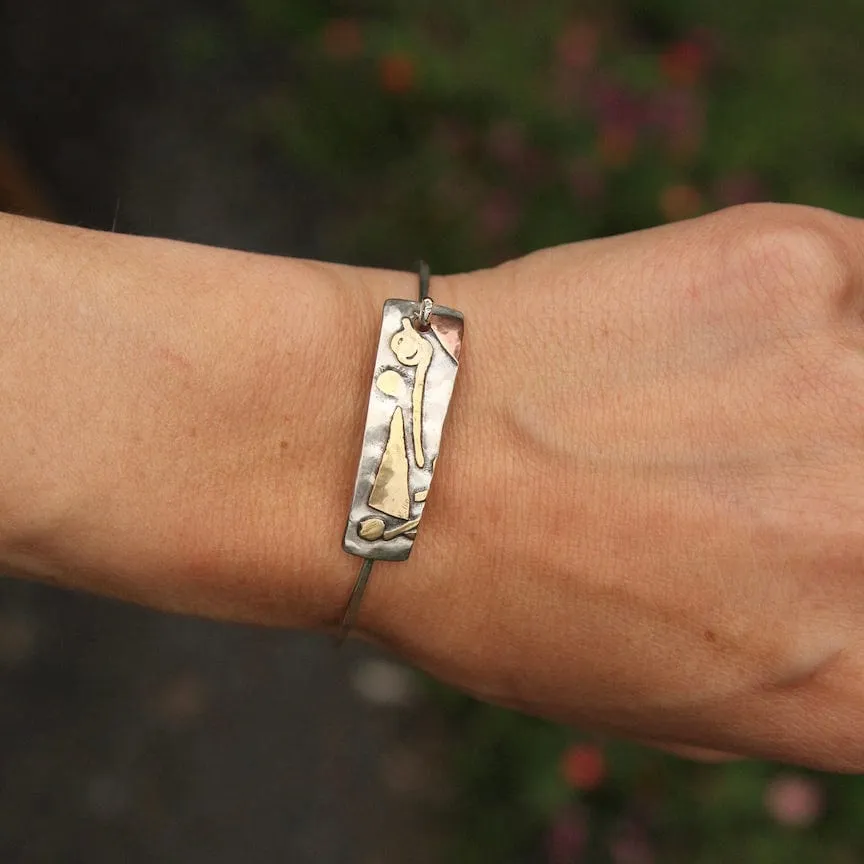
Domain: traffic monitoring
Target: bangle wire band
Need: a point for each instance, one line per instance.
(356, 598)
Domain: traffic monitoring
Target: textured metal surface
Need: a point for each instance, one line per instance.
(411, 388)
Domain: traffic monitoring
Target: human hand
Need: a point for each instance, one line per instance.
(648, 517)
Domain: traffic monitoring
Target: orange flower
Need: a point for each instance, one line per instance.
(342, 39)
(397, 72)
(583, 766)
(616, 144)
(680, 201)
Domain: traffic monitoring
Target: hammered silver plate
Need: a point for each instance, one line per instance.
(415, 371)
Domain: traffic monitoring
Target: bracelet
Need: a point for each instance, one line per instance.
(415, 370)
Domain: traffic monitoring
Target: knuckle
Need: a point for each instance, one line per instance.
(834, 698)
(787, 251)
(821, 698)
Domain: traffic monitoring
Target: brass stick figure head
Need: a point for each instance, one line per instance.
(410, 348)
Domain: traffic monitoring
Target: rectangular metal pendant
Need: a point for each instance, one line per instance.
(411, 388)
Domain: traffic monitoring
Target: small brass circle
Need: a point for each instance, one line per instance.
(390, 383)
(371, 529)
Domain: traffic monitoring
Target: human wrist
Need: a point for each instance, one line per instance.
(379, 286)
(406, 601)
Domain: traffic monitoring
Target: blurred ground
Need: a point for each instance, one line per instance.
(126, 735)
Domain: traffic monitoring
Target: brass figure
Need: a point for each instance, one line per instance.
(412, 349)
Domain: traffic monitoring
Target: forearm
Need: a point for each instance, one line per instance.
(180, 424)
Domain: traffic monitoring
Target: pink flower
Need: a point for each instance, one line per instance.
(794, 800)
(630, 845)
(498, 215)
(616, 106)
(567, 837)
(679, 116)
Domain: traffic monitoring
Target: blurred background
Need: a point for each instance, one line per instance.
(375, 132)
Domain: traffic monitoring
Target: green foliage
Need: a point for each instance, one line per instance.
(473, 131)
(468, 131)
(515, 791)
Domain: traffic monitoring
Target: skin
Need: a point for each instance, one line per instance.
(648, 516)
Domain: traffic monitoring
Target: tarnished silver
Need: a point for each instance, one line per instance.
(424, 315)
(408, 402)
(356, 598)
(415, 371)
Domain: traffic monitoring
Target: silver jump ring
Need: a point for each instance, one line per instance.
(424, 314)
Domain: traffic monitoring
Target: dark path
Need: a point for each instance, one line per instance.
(130, 736)
(126, 735)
